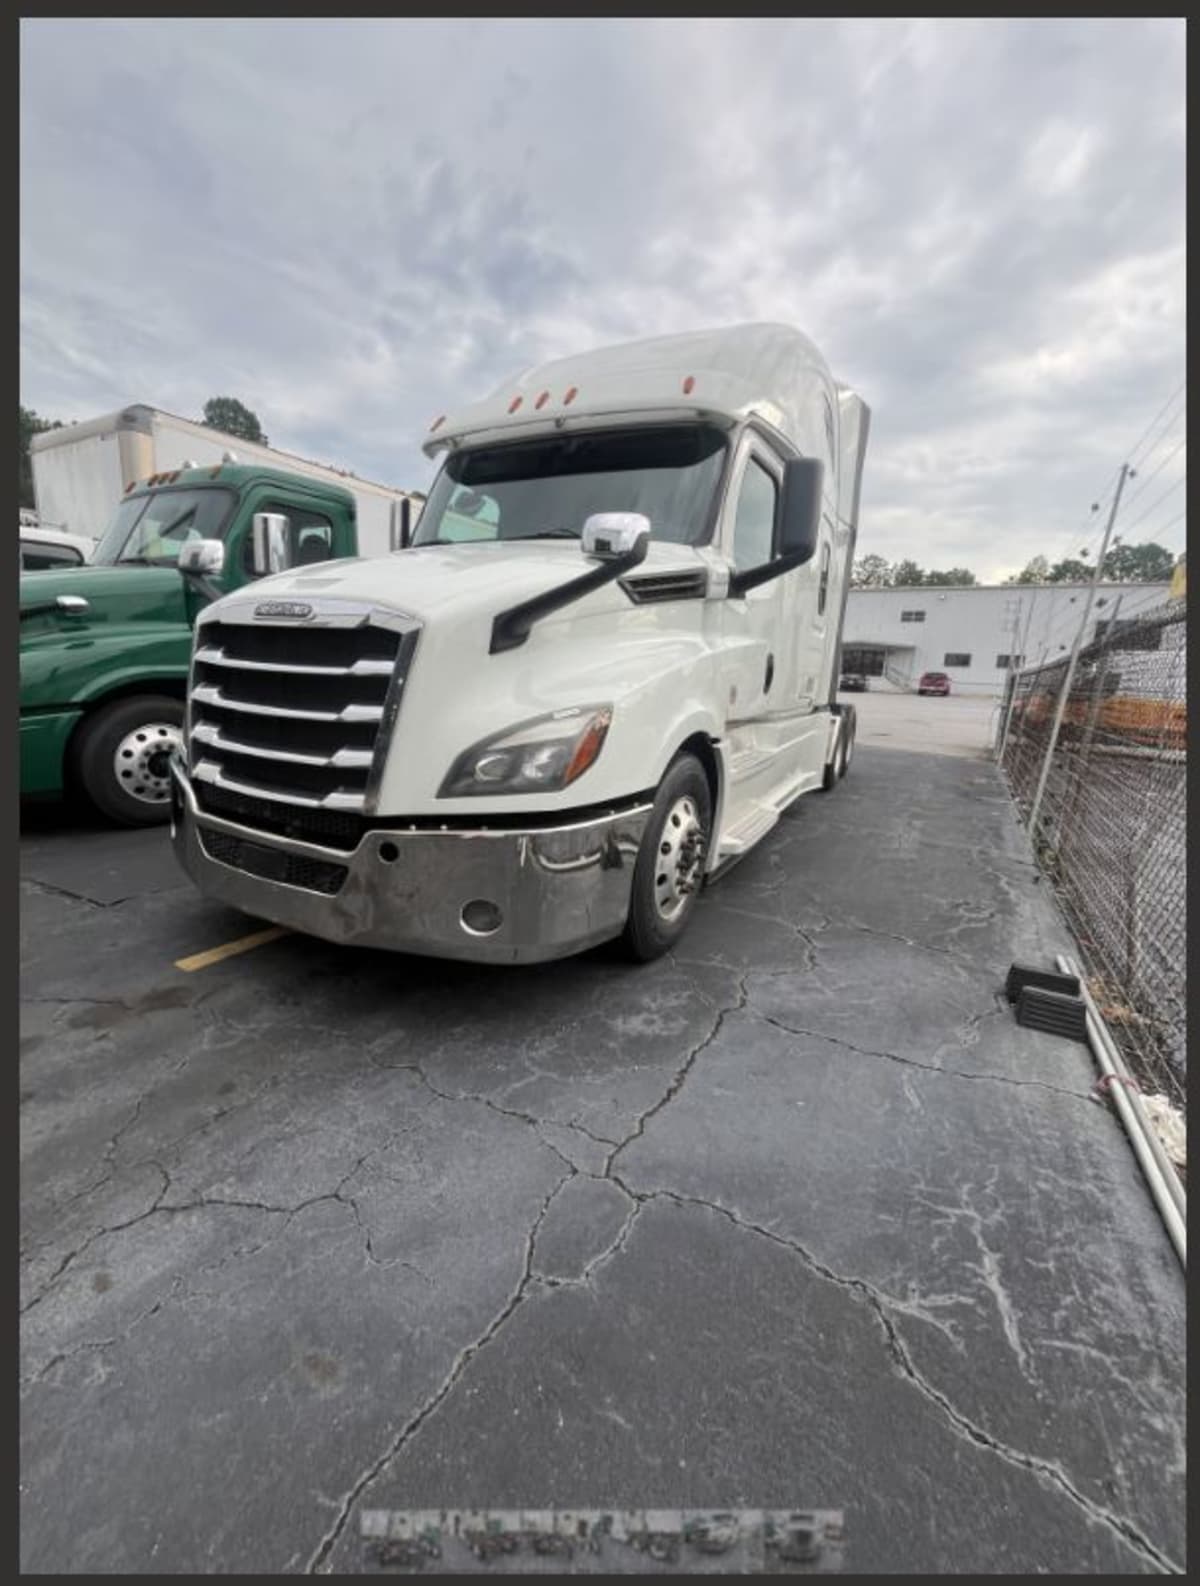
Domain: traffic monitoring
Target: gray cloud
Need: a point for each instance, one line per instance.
(355, 226)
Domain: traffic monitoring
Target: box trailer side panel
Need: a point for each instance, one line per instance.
(76, 485)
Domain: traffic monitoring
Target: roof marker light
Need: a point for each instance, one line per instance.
(570, 396)
(542, 400)
(689, 385)
(437, 423)
(515, 404)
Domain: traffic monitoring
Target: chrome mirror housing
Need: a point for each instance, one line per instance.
(202, 556)
(609, 534)
(271, 547)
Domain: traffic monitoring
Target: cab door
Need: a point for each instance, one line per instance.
(755, 654)
(319, 530)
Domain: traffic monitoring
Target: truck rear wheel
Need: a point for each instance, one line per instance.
(843, 750)
(120, 758)
(670, 863)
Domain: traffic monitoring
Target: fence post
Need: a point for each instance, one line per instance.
(1069, 675)
(1084, 757)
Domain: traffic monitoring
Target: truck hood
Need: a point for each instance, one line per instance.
(474, 578)
(114, 594)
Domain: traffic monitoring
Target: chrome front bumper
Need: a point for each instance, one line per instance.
(558, 889)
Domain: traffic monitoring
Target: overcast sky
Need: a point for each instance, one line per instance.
(353, 226)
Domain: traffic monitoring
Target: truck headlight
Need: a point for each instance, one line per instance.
(539, 756)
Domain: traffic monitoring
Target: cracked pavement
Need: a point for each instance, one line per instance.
(795, 1216)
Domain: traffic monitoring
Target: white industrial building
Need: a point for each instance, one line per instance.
(970, 631)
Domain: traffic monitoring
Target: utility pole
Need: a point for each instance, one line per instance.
(1069, 676)
(1013, 607)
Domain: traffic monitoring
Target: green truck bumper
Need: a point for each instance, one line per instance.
(43, 746)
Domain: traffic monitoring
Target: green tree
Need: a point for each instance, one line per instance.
(1139, 564)
(952, 575)
(871, 572)
(1070, 571)
(31, 424)
(234, 418)
(1035, 571)
(908, 574)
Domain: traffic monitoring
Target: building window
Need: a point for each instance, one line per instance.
(1005, 661)
(956, 658)
(912, 616)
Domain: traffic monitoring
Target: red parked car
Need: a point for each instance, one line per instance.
(933, 683)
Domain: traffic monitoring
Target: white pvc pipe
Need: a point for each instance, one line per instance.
(1104, 1035)
(1161, 1178)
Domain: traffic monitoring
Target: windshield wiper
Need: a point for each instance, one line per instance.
(140, 561)
(545, 534)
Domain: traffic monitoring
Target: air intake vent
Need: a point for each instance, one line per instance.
(274, 864)
(692, 584)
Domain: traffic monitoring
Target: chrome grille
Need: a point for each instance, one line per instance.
(295, 713)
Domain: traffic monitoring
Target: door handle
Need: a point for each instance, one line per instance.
(770, 674)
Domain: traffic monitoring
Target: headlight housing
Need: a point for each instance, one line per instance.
(542, 755)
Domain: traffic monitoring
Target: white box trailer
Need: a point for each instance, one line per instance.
(81, 471)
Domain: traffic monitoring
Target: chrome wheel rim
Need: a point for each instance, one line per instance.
(678, 857)
(141, 763)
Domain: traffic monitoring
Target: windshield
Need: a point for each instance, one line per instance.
(151, 529)
(547, 488)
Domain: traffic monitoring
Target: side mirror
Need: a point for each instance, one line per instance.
(799, 525)
(270, 543)
(800, 517)
(609, 534)
(202, 556)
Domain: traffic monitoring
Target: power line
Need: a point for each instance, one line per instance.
(1179, 445)
(1136, 447)
(1178, 518)
(1169, 491)
(1132, 457)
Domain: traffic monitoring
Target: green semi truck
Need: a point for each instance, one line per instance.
(105, 647)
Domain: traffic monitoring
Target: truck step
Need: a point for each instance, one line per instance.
(745, 832)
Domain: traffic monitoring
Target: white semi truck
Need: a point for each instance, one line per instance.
(603, 665)
(81, 470)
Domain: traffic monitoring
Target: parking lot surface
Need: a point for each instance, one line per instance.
(794, 1217)
(957, 724)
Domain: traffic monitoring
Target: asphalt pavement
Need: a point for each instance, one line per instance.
(795, 1217)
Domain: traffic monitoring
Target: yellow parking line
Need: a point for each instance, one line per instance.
(214, 955)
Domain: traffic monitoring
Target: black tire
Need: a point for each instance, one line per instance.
(648, 932)
(141, 731)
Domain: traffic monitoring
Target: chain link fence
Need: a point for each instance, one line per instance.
(1111, 830)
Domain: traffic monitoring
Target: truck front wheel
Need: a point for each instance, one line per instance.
(670, 863)
(120, 758)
